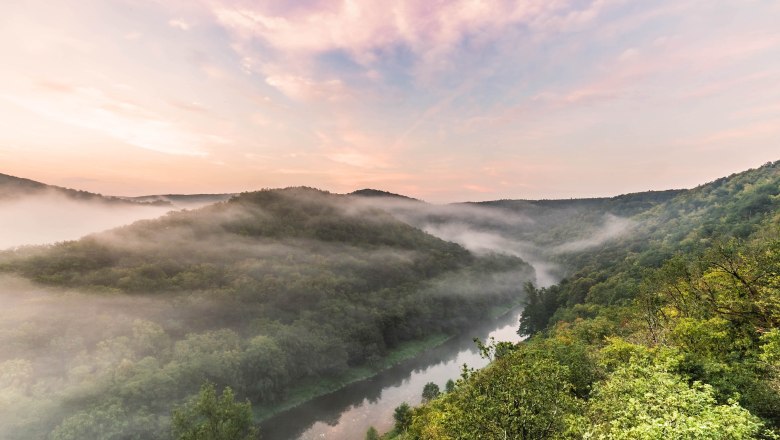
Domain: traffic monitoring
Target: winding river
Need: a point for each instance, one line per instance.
(350, 411)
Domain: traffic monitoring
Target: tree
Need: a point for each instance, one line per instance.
(372, 434)
(449, 386)
(525, 395)
(402, 416)
(430, 391)
(209, 417)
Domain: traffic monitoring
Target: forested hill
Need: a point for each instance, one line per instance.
(12, 188)
(670, 331)
(368, 192)
(270, 293)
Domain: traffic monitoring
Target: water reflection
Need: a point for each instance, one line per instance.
(349, 412)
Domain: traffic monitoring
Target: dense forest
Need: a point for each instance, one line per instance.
(258, 298)
(649, 315)
(669, 331)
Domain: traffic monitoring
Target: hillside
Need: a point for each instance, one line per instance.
(269, 293)
(668, 332)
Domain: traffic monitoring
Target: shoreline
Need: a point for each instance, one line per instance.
(317, 387)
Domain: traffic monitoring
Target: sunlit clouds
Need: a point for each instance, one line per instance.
(440, 100)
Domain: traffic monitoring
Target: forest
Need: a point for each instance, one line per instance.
(266, 295)
(670, 331)
(648, 315)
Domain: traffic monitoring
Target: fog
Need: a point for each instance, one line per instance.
(66, 350)
(483, 242)
(612, 227)
(530, 235)
(59, 345)
(163, 303)
(51, 217)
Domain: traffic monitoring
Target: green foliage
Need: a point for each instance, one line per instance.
(449, 386)
(668, 332)
(110, 421)
(266, 293)
(372, 434)
(212, 417)
(637, 402)
(276, 288)
(524, 395)
(538, 308)
(402, 415)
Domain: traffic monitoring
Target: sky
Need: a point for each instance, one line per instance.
(440, 100)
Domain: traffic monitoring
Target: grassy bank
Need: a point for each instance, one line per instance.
(316, 387)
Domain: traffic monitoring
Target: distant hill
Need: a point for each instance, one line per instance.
(12, 187)
(183, 200)
(625, 204)
(368, 192)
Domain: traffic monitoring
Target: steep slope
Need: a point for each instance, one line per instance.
(668, 332)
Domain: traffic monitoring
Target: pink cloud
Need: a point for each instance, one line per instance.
(760, 129)
(180, 24)
(109, 113)
(307, 89)
(430, 29)
(355, 148)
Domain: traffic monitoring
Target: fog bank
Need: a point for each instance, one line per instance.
(52, 217)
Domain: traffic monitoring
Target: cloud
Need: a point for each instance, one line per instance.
(293, 36)
(360, 27)
(179, 24)
(307, 89)
(112, 115)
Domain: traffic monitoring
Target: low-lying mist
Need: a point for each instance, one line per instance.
(51, 217)
(258, 293)
(528, 235)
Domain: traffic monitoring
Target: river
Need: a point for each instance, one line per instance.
(347, 414)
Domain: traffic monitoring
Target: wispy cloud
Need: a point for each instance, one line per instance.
(445, 100)
(122, 119)
(179, 24)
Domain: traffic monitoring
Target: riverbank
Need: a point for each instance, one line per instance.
(317, 387)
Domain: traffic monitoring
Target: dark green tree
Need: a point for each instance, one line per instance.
(449, 386)
(372, 434)
(430, 391)
(402, 416)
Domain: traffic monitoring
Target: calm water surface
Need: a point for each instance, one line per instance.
(349, 412)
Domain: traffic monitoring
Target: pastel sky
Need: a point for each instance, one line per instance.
(441, 100)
